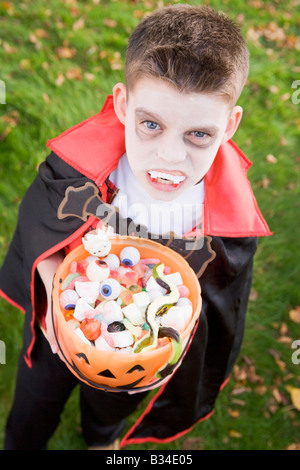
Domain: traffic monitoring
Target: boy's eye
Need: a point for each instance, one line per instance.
(199, 138)
(199, 134)
(151, 125)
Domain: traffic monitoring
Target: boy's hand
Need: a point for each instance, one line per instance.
(47, 269)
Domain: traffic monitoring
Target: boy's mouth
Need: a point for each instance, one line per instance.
(165, 178)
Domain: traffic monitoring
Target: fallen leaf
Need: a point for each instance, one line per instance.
(60, 79)
(294, 446)
(234, 433)
(79, 24)
(46, 98)
(271, 159)
(295, 315)
(110, 23)
(295, 395)
(233, 413)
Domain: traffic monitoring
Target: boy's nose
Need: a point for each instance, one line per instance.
(172, 154)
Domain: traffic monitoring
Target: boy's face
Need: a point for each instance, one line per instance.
(172, 138)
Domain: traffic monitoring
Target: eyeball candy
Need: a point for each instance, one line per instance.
(110, 289)
(112, 261)
(97, 270)
(130, 256)
(68, 299)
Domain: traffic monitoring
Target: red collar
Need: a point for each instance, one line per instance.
(94, 147)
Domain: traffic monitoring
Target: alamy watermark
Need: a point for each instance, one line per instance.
(2, 352)
(296, 94)
(296, 354)
(2, 92)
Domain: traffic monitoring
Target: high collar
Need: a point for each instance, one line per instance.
(94, 147)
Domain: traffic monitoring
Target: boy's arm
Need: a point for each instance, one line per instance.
(47, 269)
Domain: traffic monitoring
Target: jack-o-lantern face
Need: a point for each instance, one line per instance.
(115, 370)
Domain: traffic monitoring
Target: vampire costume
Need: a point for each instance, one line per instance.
(70, 191)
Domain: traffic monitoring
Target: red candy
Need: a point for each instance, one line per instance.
(129, 278)
(91, 328)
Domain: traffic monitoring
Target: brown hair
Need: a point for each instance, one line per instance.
(197, 49)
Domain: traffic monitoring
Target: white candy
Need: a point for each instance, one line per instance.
(154, 294)
(133, 313)
(112, 261)
(88, 291)
(177, 317)
(81, 336)
(100, 343)
(97, 270)
(122, 339)
(183, 301)
(81, 307)
(152, 284)
(111, 312)
(175, 278)
(141, 299)
(97, 243)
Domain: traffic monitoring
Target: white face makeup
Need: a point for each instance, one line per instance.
(172, 138)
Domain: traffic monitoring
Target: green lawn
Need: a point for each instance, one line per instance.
(59, 59)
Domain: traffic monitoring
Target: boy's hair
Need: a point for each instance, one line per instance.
(197, 49)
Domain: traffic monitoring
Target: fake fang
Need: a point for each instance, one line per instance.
(165, 178)
(119, 460)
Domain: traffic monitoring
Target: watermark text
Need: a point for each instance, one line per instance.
(2, 352)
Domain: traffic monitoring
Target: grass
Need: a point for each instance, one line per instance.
(59, 60)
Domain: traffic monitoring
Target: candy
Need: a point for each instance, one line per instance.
(111, 312)
(133, 313)
(122, 339)
(141, 299)
(96, 242)
(97, 270)
(112, 261)
(110, 289)
(183, 291)
(129, 256)
(68, 299)
(129, 278)
(91, 329)
(177, 317)
(175, 278)
(100, 343)
(88, 291)
(81, 307)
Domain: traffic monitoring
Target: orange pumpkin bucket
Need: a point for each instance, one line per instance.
(115, 370)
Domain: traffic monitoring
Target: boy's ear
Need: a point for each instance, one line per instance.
(120, 100)
(233, 123)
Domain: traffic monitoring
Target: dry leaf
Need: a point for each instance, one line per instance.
(79, 24)
(294, 446)
(234, 433)
(295, 395)
(60, 79)
(110, 23)
(295, 315)
(46, 98)
(233, 413)
(271, 159)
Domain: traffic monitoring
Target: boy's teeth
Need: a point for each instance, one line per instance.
(155, 175)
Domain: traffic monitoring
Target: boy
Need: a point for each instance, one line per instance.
(163, 140)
